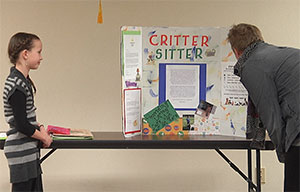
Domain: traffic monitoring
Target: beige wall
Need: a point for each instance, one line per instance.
(79, 86)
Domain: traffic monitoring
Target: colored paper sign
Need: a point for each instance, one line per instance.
(161, 116)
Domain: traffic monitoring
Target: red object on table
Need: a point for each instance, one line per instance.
(58, 130)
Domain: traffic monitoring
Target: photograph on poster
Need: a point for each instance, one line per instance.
(204, 109)
(187, 122)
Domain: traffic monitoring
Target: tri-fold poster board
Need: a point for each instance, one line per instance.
(180, 81)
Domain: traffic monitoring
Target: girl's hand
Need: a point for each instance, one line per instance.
(42, 128)
(47, 139)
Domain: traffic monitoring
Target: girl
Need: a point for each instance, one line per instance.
(21, 146)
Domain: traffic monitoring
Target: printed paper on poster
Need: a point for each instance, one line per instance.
(233, 91)
(132, 56)
(182, 85)
(132, 110)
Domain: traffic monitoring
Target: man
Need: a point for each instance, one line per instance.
(271, 75)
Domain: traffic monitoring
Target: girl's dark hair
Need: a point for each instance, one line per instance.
(19, 42)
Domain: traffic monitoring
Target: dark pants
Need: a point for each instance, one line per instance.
(32, 185)
(292, 169)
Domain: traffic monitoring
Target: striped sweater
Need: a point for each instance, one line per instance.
(20, 150)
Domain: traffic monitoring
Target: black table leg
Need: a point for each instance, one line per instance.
(249, 169)
(258, 181)
(47, 155)
(233, 166)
